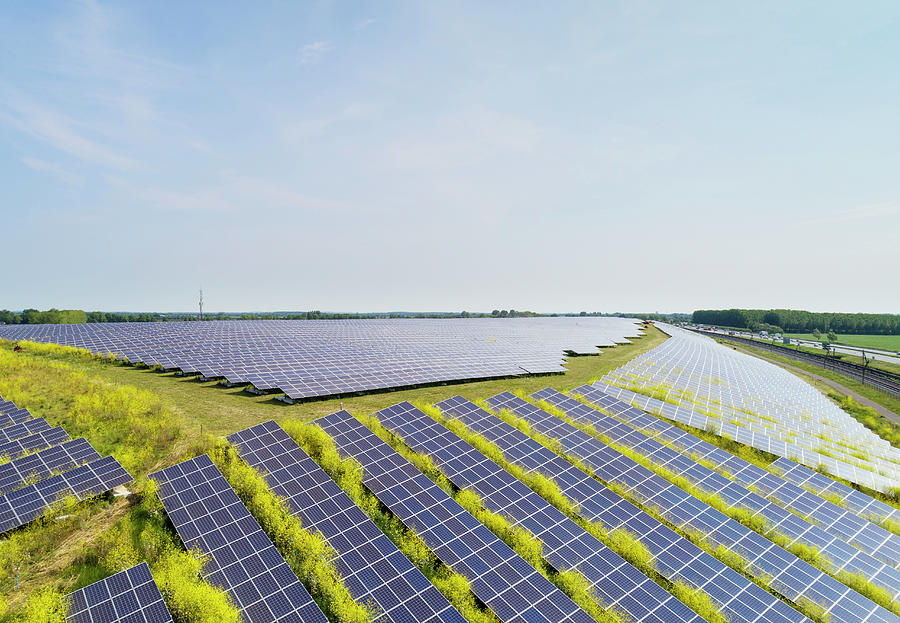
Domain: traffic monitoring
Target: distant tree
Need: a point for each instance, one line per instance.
(817, 334)
(832, 337)
(464, 314)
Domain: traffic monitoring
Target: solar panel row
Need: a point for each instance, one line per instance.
(317, 358)
(28, 503)
(130, 596)
(208, 515)
(841, 555)
(371, 566)
(863, 505)
(28, 427)
(33, 443)
(675, 557)
(509, 586)
(566, 544)
(41, 465)
(828, 517)
(785, 573)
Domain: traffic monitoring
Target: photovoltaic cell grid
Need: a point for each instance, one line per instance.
(28, 503)
(856, 501)
(695, 372)
(130, 596)
(208, 514)
(790, 576)
(698, 418)
(33, 443)
(11, 414)
(842, 555)
(675, 557)
(370, 564)
(566, 544)
(836, 521)
(307, 358)
(28, 427)
(41, 465)
(511, 588)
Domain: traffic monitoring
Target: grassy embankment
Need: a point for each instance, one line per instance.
(881, 342)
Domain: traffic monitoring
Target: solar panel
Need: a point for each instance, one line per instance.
(788, 575)
(370, 564)
(26, 428)
(33, 443)
(830, 521)
(28, 503)
(39, 466)
(675, 557)
(207, 514)
(498, 576)
(747, 397)
(856, 501)
(11, 414)
(308, 358)
(130, 596)
(566, 544)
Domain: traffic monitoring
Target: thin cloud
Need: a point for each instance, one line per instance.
(36, 164)
(58, 131)
(861, 212)
(363, 24)
(312, 52)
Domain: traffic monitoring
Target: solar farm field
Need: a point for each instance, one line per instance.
(508, 497)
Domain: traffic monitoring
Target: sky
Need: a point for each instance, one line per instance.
(378, 156)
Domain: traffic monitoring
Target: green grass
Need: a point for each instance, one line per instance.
(881, 342)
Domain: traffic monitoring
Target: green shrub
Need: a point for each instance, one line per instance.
(189, 599)
(45, 605)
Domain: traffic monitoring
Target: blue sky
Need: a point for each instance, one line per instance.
(362, 156)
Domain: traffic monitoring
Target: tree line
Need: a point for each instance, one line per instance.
(798, 321)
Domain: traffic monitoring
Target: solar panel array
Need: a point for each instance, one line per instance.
(788, 575)
(41, 465)
(566, 544)
(130, 596)
(308, 358)
(857, 502)
(33, 443)
(28, 503)
(208, 515)
(841, 555)
(371, 566)
(510, 587)
(675, 557)
(730, 389)
(828, 517)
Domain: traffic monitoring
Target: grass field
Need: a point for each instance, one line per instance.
(883, 342)
(873, 363)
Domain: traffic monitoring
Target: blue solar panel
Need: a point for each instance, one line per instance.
(790, 576)
(369, 563)
(566, 544)
(318, 358)
(857, 502)
(130, 596)
(33, 443)
(39, 466)
(498, 576)
(675, 557)
(26, 428)
(28, 503)
(208, 515)
(827, 517)
(842, 556)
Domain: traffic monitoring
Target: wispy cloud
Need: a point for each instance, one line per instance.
(860, 212)
(37, 164)
(363, 24)
(312, 52)
(60, 132)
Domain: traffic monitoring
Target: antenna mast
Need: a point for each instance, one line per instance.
(201, 303)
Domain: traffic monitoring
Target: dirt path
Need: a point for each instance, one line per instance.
(844, 390)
